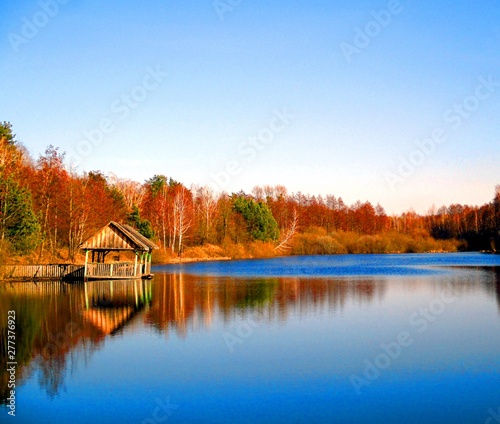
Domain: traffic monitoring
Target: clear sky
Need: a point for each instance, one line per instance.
(323, 97)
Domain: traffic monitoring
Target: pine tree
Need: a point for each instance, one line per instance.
(260, 222)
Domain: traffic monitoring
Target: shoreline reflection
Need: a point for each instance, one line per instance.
(183, 301)
(59, 325)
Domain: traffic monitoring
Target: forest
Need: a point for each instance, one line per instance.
(47, 209)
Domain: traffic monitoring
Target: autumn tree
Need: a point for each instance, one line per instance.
(131, 191)
(169, 207)
(48, 186)
(223, 220)
(45, 204)
(157, 207)
(104, 201)
(182, 215)
(206, 211)
(77, 212)
(287, 233)
(495, 221)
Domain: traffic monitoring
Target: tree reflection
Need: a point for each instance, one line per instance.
(59, 325)
(496, 271)
(181, 302)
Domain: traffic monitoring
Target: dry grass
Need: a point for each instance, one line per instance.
(314, 241)
(319, 243)
(208, 252)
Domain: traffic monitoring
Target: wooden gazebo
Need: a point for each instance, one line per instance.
(117, 238)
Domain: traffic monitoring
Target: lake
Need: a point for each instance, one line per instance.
(319, 339)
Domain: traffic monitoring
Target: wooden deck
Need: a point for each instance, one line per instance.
(41, 272)
(70, 272)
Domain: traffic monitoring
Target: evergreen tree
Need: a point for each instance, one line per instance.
(19, 224)
(260, 222)
(142, 225)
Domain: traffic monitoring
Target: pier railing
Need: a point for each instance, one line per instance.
(73, 272)
(41, 272)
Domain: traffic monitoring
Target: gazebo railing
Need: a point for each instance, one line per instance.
(114, 269)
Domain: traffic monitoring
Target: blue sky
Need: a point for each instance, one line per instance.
(339, 92)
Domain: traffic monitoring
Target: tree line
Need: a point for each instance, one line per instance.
(47, 210)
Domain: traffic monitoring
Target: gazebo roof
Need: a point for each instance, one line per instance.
(115, 236)
(108, 320)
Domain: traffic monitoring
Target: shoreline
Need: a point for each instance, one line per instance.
(175, 261)
(180, 260)
(190, 260)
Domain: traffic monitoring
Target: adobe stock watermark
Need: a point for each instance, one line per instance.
(30, 27)
(453, 118)
(494, 416)
(391, 351)
(119, 110)
(222, 7)
(162, 411)
(249, 149)
(242, 332)
(364, 36)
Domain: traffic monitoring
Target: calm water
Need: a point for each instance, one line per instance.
(331, 339)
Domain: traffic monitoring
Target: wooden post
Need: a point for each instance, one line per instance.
(135, 265)
(86, 259)
(86, 296)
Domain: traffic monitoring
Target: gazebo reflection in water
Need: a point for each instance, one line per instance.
(110, 304)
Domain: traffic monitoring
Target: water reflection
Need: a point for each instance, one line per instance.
(109, 305)
(184, 301)
(60, 325)
(491, 285)
(496, 271)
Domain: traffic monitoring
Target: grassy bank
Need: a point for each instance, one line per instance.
(314, 241)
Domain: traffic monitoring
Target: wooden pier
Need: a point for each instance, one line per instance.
(42, 272)
(119, 239)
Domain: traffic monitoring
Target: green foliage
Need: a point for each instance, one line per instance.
(19, 224)
(143, 225)
(97, 177)
(6, 133)
(259, 219)
(157, 183)
(258, 293)
(42, 202)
